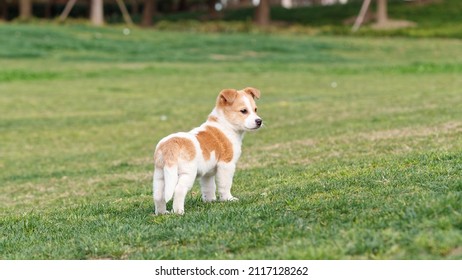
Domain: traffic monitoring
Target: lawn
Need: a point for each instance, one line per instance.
(360, 158)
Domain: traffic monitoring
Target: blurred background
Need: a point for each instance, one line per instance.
(425, 17)
(360, 156)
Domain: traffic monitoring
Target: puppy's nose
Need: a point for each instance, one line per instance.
(258, 122)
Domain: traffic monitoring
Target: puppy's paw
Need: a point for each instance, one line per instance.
(162, 213)
(231, 198)
(209, 199)
(179, 211)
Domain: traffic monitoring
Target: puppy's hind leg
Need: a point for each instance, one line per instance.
(185, 183)
(208, 188)
(158, 185)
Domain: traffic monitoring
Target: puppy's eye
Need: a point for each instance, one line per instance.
(244, 111)
(255, 110)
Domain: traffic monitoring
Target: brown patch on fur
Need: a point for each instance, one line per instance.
(255, 93)
(212, 119)
(231, 101)
(226, 97)
(232, 109)
(232, 112)
(212, 139)
(169, 152)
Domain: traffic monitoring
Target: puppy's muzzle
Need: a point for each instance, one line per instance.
(258, 122)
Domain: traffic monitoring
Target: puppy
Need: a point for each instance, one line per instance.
(209, 152)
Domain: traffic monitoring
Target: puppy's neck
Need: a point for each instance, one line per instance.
(216, 119)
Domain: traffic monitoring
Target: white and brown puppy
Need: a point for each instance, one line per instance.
(209, 152)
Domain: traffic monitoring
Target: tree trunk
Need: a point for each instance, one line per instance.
(149, 9)
(211, 8)
(245, 3)
(97, 12)
(262, 13)
(48, 8)
(382, 13)
(67, 9)
(25, 9)
(182, 6)
(4, 8)
(362, 14)
(124, 11)
(134, 8)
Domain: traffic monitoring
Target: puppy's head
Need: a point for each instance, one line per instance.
(239, 109)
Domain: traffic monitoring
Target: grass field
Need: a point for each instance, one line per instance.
(360, 157)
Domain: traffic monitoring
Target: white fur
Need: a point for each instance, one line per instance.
(214, 175)
(250, 120)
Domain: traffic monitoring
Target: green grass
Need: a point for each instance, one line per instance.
(360, 157)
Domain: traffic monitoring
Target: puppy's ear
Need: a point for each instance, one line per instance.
(253, 91)
(227, 96)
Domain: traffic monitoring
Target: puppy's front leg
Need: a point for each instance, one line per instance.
(225, 173)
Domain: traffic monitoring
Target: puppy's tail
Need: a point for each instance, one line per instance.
(171, 180)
